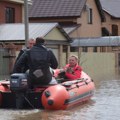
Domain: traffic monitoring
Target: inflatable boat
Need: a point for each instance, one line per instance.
(64, 95)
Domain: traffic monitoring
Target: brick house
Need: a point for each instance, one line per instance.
(80, 18)
(11, 11)
(12, 36)
(112, 16)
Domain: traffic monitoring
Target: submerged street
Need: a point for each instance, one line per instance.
(104, 105)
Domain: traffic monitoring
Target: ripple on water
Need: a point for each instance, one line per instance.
(104, 105)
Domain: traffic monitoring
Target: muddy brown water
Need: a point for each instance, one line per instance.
(104, 105)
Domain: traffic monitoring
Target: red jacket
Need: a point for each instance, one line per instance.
(73, 74)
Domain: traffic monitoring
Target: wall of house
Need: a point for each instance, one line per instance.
(55, 34)
(109, 22)
(89, 30)
(18, 11)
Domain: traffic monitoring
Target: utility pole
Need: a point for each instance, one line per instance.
(26, 21)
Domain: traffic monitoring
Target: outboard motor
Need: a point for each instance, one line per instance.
(18, 85)
(18, 82)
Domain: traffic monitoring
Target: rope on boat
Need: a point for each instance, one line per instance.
(76, 82)
(29, 102)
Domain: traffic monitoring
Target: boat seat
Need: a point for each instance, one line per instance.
(6, 82)
(60, 80)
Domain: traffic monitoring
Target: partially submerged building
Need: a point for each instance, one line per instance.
(12, 39)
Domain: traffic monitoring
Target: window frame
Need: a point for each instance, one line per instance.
(90, 16)
(10, 15)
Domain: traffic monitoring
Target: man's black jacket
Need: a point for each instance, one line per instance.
(37, 56)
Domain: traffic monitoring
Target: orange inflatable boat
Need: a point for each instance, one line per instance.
(68, 94)
(53, 97)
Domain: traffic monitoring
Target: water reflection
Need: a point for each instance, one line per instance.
(104, 105)
(11, 114)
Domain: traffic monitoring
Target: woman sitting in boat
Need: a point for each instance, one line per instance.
(72, 70)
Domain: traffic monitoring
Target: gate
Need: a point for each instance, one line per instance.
(4, 63)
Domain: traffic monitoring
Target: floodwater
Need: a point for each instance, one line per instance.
(104, 105)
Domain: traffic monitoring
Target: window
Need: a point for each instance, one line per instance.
(94, 49)
(90, 15)
(10, 15)
(84, 49)
(105, 32)
(114, 30)
(73, 49)
(119, 59)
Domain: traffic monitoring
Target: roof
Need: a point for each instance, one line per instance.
(100, 41)
(56, 8)
(70, 29)
(17, 31)
(17, 1)
(99, 7)
(112, 7)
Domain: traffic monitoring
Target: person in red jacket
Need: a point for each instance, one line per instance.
(72, 69)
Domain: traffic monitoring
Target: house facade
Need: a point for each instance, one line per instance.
(11, 11)
(12, 39)
(81, 19)
(90, 21)
(112, 22)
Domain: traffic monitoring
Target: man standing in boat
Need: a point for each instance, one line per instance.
(72, 69)
(30, 44)
(39, 59)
